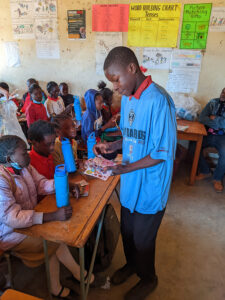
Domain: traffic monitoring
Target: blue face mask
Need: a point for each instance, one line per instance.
(16, 166)
(36, 102)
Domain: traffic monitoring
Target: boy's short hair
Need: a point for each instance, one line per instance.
(33, 87)
(39, 129)
(4, 85)
(8, 145)
(51, 85)
(121, 56)
(62, 84)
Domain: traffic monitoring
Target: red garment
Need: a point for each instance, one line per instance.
(53, 99)
(145, 84)
(44, 165)
(35, 112)
(26, 103)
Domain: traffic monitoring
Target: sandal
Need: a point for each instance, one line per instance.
(71, 296)
(98, 280)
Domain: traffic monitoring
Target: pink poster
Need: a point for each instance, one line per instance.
(110, 17)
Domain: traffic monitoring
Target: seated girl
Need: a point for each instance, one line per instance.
(54, 104)
(65, 128)
(35, 110)
(20, 184)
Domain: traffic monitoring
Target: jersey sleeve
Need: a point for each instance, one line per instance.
(163, 129)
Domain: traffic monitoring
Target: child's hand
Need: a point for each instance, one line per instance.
(63, 213)
(74, 190)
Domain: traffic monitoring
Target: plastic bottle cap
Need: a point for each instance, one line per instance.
(60, 170)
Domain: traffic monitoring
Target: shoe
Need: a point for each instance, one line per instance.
(142, 289)
(202, 176)
(72, 295)
(218, 187)
(122, 275)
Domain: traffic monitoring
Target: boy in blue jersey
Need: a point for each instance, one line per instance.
(148, 125)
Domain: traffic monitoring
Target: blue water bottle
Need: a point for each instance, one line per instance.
(68, 155)
(77, 109)
(91, 141)
(61, 186)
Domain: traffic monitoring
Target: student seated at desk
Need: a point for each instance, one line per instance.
(5, 86)
(20, 184)
(27, 98)
(64, 93)
(54, 104)
(35, 110)
(213, 117)
(65, 129)
(41, 135)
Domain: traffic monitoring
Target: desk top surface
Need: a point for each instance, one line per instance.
(194, 127)
(86, 211)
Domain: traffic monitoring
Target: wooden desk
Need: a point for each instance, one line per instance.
(75, 232)
(195, 132)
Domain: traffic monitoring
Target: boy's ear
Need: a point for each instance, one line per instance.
(132, 68)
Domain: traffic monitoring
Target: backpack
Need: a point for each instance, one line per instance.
(107, 243)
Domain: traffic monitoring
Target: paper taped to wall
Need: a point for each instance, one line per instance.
(217, 21)
(12, 54)
(105, 41)
(157, 58)
(48, 49)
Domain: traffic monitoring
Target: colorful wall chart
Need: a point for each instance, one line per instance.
(153, 24)
(76, 24)
(110, 17)
(217, 21)
(195, 26)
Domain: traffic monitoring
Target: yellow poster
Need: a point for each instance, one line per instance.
(153, 24)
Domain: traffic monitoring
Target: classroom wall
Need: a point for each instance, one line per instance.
(77, 63)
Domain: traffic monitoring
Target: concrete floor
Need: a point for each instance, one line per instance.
(190, 256)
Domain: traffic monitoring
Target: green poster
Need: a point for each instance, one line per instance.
(195, 26)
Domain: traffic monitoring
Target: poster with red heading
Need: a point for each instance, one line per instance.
(110, 17)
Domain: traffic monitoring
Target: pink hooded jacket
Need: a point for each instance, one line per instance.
(17, 205)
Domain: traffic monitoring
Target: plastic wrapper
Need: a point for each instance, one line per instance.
(187, 107)
(8, 120)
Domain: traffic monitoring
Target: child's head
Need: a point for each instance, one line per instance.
(106, 93)
(93, 100)
(42, 136)
(53, 89)
(122, 69)
(36, 92)
(13, 152)
(31, 81)
(5, 86)
(98, 101)
(64, 90)
(65, 126)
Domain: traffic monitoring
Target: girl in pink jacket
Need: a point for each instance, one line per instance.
(20, 184)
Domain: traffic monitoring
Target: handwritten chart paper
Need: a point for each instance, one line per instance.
(111, 18)
(195, 26)
(105, 41)
(217, 21)
(47, 49)
(153, 24)
(22, 9)
(188, 59)
(157, 58)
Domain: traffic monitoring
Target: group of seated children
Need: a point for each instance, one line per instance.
(24, 176)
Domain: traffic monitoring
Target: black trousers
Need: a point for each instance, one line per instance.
(139, 233)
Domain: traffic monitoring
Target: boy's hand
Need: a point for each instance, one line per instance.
(118, 169)
(74, 190)
(102, 148)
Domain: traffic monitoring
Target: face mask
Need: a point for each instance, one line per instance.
(36, 102)
(16, 166)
